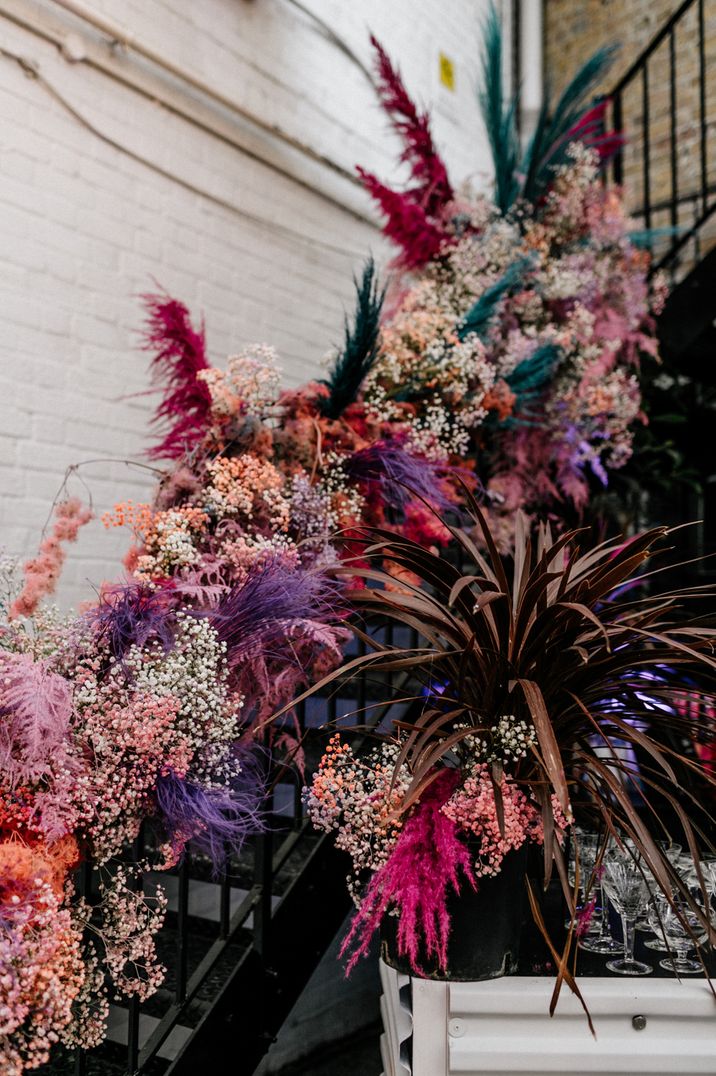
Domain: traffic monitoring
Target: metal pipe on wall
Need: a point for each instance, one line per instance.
(121, 35)
(531, 63)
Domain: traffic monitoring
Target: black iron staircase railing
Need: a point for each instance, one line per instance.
(666, 103)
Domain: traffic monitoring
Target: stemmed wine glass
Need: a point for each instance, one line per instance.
(681, 929)
(672, 852)
(626, 888)
(600, 941)
(584, 846)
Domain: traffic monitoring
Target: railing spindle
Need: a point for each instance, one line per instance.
(618, 119)
(182, 953)
(646, 147)
(702, 109)
(674, 134)
(133, 1014)
(225, 898)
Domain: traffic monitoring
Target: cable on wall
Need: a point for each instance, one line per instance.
(122, 36)
(106, 62)
(330, 34)
(32, 70)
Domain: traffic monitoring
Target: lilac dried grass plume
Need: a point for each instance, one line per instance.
(179, 356)
(35, 715)
(132, 615)
(424, 866)
(217, 820)
(274, 600)
(276, 626)
(400, 475)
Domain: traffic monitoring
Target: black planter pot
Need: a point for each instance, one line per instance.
(485, 929)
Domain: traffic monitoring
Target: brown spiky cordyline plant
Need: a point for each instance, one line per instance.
(580, 644)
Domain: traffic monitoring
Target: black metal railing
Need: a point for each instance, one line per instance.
(666, 103)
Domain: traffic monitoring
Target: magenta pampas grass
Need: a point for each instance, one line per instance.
(180, 354)
(407, 225)
(424, 865)
(432, 190)
(590, 130)
(412, 214)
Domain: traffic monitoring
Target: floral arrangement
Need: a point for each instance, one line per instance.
(125, 717)
(516, 323)
(142, 717)
(502, 360)
(133, 720)
(525, 670)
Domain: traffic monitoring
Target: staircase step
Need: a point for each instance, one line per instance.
(117, 1025)
(204, 897)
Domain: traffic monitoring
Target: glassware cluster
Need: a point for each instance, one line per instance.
(611, 874)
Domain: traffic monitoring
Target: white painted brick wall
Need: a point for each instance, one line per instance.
(85, 228)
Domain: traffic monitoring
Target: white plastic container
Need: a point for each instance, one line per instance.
(643, 1026)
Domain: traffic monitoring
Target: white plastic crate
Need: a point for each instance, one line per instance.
(643, 1026)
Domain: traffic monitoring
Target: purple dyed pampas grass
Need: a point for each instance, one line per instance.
(399, 474)
(131, 615)
(274, 601)
(276, 626)
(180, 354)
(424, 865)
(216, 820)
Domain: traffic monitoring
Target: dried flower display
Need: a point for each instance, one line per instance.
(502, 360)
(123, 717)
(516, 324)
(526, 672)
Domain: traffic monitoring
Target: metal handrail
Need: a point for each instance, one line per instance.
(652, 46)
(639, 74)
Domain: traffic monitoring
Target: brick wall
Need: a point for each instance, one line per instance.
(264, 252)
(572, 33)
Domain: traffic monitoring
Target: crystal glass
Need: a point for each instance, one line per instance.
(707, 865)
(681, 929)
(601, 940)
(659, 943)
(672, 852)
(626, 888)
(587, 846)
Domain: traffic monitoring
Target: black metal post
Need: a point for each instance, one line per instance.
(263, 879)
(646, 147)
(133, 1014)
(182, 953)
(673, 131)
(702, 109)
(618, 116)
(225, 898)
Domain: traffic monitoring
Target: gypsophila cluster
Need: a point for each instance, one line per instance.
(343, 496)
(358, 797)
(472, 807)
(250, 384)
(193, 675)
(129, 923)
(508, 741)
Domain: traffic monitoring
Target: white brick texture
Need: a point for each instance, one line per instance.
(87, 228)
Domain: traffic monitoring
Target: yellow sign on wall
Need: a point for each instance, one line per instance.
(447, 71)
